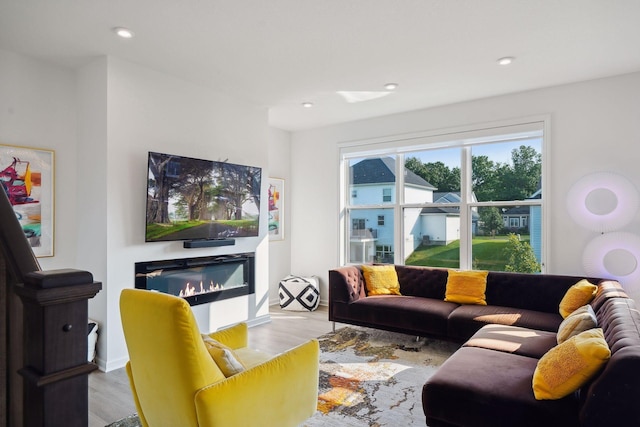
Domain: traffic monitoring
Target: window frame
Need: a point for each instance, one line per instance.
(463, 137)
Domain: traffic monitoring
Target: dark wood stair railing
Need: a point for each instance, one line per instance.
(43, 335)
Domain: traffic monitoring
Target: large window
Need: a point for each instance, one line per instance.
(468, 200)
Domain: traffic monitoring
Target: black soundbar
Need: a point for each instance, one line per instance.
(208, 243)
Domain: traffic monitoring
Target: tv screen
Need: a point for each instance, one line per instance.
(194, 199)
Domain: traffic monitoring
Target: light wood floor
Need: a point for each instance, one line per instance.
(109, 394)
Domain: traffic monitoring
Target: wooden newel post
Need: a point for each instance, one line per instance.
(55, 368)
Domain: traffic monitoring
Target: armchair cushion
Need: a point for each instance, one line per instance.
(224, 357)
(251, 357)
(236, 338)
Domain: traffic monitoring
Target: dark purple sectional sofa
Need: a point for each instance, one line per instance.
(487, 382)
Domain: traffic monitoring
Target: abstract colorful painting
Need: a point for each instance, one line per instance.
(276, 209)
(27, 177)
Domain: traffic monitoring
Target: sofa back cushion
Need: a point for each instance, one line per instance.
(422, 281)
(539, 292)
(607, 289)
(519, 290)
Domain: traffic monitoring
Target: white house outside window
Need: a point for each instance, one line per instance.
(459, 199)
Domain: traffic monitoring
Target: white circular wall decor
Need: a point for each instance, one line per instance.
(603, 201)
(614, 256)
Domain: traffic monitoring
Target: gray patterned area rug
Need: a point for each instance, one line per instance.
(369, 378)
(374, 378)
(130, 421)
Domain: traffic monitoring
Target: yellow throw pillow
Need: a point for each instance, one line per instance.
(381, 279)
(466, 287)
(580, 320)
(224, 357)
(568, 366)
(578, 295)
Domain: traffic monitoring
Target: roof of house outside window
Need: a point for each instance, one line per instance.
(446, 197)
(383, 171)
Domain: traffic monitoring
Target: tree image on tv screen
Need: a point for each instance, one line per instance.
(199, 199)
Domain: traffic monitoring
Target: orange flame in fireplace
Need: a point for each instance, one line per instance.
(191, 290)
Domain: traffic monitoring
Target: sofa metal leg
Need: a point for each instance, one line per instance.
(333, 328)
(417, 338)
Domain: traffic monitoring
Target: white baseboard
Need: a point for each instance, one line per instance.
(323, 303)
(111, 365)
(261, 320)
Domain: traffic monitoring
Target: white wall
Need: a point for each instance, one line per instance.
(101, 121)
(38, 109)
(280, 250)
(595, 126)
(91, 171)
(151, 111)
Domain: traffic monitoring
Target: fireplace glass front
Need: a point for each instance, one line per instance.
(199, 280)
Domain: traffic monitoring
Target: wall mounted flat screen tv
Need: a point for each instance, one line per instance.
(194, 199)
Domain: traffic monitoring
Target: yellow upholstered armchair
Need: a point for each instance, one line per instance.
(176, 381)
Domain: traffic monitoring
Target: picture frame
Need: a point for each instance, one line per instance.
(276, 209)
(27, 176)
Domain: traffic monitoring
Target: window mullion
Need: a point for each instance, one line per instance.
(465, 214)
(398, 232)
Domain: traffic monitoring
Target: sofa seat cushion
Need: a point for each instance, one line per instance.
(514, 340)
(466, 320)
(487, 388)
(415, 315)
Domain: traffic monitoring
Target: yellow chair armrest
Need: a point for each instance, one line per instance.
(280, 392)
(233, 337)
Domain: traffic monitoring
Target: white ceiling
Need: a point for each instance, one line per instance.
(280, 53)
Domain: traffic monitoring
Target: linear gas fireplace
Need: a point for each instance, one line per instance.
(199, 280)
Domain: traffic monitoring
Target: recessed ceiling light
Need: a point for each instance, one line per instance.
(391, 86)
(307, 104)
(125, 33)
(506, 60)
